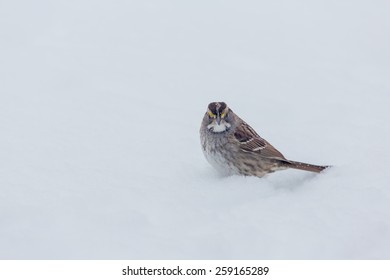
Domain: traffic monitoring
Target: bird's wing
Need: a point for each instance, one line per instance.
(251, 142)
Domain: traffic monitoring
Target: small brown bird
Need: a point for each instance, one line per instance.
(233, 147)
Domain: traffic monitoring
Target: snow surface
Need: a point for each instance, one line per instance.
(100, 108)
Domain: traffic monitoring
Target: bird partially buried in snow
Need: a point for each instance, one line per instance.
(233, 147)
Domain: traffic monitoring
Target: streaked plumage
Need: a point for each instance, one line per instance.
(233, 147)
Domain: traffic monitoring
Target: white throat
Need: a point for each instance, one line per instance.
(219, 127)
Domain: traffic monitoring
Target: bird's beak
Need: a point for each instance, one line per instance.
(218, 119)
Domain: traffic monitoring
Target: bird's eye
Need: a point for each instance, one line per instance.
(224, 114)
(211, 115)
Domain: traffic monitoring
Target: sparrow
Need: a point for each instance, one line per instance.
(232, 146)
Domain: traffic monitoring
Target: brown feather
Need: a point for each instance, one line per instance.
(251, 142)
(305, 166)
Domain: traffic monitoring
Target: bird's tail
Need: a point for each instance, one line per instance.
(306, 166)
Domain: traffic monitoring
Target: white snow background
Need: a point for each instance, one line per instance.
(101, 104)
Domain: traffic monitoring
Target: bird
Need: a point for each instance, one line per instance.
(233, 147)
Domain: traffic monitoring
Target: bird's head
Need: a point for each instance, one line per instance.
(218, 114)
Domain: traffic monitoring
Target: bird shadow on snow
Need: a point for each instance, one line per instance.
(289, 180)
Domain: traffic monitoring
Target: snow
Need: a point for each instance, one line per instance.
(100, 109)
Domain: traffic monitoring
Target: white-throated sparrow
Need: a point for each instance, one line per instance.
(233, 147)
